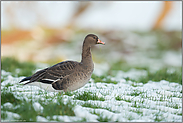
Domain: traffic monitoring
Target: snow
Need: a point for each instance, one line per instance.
(172, 59)
(162, 98)
(132, 74)
(66, 118)
(10, 116)
(37, 107)
(81, 112)
(41, 119)
(100, 68)
(8, 105)
(4, 73)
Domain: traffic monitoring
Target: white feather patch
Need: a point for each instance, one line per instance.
(49, 79)
(47, 87)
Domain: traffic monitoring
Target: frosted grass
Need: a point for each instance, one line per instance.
(124, 101)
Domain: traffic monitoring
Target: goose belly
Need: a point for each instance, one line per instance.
(78, 83)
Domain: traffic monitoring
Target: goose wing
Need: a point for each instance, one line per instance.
(53, 73)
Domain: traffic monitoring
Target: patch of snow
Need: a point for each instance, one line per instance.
(148, 99)
(8, 105)
(17, 70)
(62, 118)
(10, 116)
(66, 118)
(37, 107)
(173, 59)
(9, 80)
(164, 82)
(4, 73)
(41, 119)
(100, 69)
(17, 106)
(170, 70)
(82, 113)
(132, 74)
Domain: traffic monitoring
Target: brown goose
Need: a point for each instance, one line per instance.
(67, 75)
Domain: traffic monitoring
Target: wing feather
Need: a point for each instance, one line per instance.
(55, 72)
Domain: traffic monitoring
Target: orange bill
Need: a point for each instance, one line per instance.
(100, 42)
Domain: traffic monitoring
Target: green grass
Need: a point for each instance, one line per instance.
(2, 79)
(88, 96)
(159, 75)
(179, 114)
(97, 78)
(121, 99)
(11, 65)
(8, 85)
(9, 97)
(90, 105)
(158, 117)
(103, 79)
(101, 118)
(119, 65)
(135, 85)
(138, 111)
(56, 108)
(130, 117)
(3, 115)
(105, 119)
(27, 112)
(175, 106)
(135, 105)
(24, 108)
(59, 108)
(96, 107)
(30, 114)
(69, 93)
(118, 98)
(162, 74)
(136, 93)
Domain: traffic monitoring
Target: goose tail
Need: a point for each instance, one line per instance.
(26, 79)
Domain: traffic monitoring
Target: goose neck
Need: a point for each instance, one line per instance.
(86, 55)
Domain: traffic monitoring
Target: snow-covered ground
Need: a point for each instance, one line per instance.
(124, 101)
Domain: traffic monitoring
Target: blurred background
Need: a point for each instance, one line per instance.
(143, 34)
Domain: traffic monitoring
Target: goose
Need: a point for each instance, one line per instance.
(66, 75)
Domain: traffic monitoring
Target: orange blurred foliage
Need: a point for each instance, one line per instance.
(166, 9)
(9, 37)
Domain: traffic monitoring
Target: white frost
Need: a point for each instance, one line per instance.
(41, 119)
(37, 107)
(100, 69)
(8, 105)
(132, 74)
(10, 116)
(81, 112)
(137, 101)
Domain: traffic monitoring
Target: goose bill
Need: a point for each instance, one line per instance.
(100, 42)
